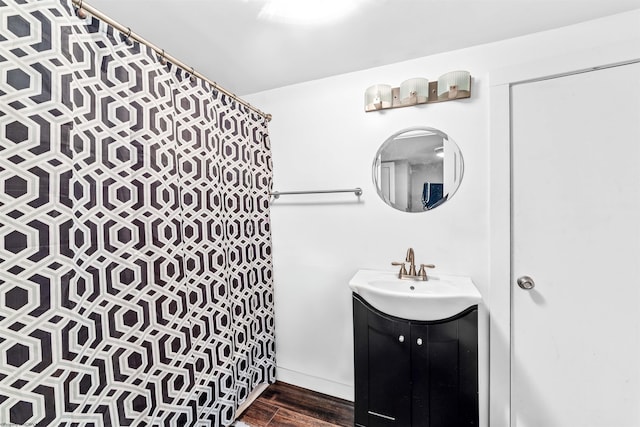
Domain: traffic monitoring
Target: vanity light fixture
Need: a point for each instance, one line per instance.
(414, 91)
(453, 84)
(418, 90)
(378, 97)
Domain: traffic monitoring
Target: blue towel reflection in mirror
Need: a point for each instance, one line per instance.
(432, 195)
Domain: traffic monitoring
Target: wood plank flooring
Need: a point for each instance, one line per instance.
(285, 405)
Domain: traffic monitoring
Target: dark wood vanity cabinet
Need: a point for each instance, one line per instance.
(415, 373)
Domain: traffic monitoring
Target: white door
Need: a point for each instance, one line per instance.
(576, 232)
(387, 181)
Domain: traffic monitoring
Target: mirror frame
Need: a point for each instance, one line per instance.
(376, 163)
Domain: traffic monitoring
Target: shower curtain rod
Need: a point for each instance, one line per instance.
(130, 34)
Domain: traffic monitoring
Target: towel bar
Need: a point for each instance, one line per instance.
(357, 191)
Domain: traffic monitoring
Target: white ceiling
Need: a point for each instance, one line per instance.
(225, 40)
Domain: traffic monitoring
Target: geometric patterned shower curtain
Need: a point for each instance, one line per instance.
(135, 252)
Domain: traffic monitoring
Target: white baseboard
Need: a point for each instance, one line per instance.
(310, 382)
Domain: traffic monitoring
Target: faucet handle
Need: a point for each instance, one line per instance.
(423, 272)
(403, 269)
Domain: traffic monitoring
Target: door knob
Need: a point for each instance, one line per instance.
(526, 283)
(401, 338)
(419, 341)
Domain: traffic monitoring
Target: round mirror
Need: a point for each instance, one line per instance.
(417, 169)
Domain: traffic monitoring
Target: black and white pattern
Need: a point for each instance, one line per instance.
(135, 254)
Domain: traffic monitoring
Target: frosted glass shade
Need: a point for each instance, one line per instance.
(377, 97)
(461, 80)
(417, 87)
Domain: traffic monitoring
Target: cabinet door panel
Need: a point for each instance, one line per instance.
(435, 374)
(468, 356)
(383, 374)
(444, 372)
(389, 370)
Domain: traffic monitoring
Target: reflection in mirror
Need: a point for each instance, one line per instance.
(417, 169)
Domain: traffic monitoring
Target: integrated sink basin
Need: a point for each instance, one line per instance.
(438, 298)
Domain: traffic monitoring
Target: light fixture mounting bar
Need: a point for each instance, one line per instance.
(396, 102)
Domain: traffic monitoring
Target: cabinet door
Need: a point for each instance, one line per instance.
(382, 368)
(444, 372)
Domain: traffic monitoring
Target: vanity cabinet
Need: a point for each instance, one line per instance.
(415, 373)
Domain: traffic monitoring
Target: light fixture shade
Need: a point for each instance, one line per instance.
(456, 80)
(416, 90)
(377, 97)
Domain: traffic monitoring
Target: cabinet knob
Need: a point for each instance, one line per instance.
(401, 338)
(419, 341)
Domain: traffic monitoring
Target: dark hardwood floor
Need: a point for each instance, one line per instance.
(285, 405)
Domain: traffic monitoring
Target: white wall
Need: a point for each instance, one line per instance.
(322, 139)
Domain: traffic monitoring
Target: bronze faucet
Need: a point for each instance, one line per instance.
(412, 274)
(412, 263)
